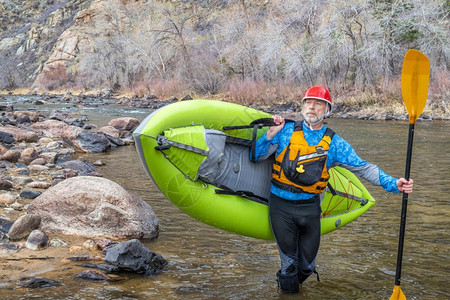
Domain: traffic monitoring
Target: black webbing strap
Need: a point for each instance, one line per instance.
(244, 194)
(164, 143)
(353, 197)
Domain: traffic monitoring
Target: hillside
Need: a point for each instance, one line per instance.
(265, 51)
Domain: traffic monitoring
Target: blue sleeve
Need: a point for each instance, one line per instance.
(264, 147)
(341, 153)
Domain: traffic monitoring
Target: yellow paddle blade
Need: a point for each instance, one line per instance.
(415, 78)
(397, 294)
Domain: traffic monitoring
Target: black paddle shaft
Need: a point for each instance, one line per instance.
(404, 207)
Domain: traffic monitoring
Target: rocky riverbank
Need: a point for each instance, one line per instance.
(57, 209)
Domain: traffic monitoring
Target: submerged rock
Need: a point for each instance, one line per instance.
(38, 282)
(133, 255)
(96, 275)
(94, 207)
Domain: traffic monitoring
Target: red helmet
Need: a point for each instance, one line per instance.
(318, 92)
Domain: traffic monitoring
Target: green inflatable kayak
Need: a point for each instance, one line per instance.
(197, 154)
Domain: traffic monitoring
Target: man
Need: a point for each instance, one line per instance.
(304, 152)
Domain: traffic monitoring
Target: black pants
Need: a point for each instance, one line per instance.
(296, 227)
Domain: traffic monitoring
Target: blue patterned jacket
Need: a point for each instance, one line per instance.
(341, 153)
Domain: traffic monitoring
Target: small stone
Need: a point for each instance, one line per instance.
(39, 184)
(104, 243)
(58, 243)
(91, 245)
(5, 185)
(7, 198)
(23, 226)
(99, 163)
(29, 194)
(37, 240)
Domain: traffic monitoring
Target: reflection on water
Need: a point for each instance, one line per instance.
(356, 262)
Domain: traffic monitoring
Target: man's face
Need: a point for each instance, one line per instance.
(314, 110)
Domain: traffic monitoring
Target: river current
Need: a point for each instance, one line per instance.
(354, 262)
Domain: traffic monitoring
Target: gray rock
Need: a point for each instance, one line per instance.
(133, 255)
(29, 194)
(23, 226)
(81, 167)
(94, 275)
(5, 185)
(90, 142)
(37, 240)
(9, 248)
(38, 282)
(6, 138)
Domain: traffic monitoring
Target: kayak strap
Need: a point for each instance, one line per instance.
(347, 195)
(164, 143)
(244, 194)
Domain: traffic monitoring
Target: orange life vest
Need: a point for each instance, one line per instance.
(302, 168)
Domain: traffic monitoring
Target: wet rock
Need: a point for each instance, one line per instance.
(37, 240)
(6, 138)
(99, 163)
(95, 275)
(104, 243)
(109, 130)
(7, 198)
(11, 156)
(81, 167)
(38, 282)
(29, 194)
(125, 123)
(115, 141)
(9, 248)
(102, 267)
(58, 243)
(23, 226)
(94, 207)
(133, 255)
(5, 185)
(90, 142)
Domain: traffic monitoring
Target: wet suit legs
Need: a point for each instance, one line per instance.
(296, 227)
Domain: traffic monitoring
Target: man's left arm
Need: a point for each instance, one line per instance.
(341, 153)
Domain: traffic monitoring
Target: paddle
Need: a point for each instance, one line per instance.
(414, 83)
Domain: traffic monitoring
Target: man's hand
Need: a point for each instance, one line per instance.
(273, 130)
(405, 186)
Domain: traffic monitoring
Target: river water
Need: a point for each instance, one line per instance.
(355, 262)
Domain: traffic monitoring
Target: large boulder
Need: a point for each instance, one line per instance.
(21, 135)
(94, 207)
